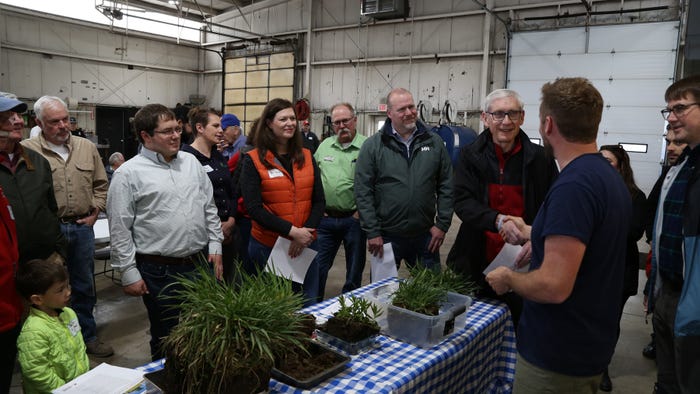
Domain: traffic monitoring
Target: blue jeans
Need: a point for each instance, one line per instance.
(331, 232)
(413, 249)
(81, 269)
(162, 313)
(259, 254)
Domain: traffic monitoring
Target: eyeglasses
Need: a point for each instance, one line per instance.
(500, 116)
(340, 122)
(170, 131)
(678, 110)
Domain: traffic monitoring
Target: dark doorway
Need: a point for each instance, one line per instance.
(114, 132)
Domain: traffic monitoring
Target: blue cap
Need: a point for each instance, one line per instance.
(11, 104)
(229, 120)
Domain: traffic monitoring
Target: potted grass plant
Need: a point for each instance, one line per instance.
(423, 308)
(227, 339)
(353, 327)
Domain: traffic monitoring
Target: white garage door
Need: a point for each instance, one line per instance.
(631, 65)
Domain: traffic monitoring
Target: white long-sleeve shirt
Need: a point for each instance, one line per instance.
(160, 208)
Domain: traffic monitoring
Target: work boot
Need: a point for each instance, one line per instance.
(605, 382)
(649, 350)
(99, 349)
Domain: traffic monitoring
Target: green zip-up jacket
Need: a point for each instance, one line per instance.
(30, 192)
(51, 351)
(400, 194)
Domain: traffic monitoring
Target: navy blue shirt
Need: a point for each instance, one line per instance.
(588, 201)
(217, 170)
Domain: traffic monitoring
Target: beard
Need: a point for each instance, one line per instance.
(548, 151)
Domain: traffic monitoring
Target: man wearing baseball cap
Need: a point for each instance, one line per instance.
(233, 135)
(25, 176)
(310, 140)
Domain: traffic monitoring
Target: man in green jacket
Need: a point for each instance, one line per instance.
(25, 176)
(403, 186)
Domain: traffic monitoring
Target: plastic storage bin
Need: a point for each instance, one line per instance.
(423, 330)
(351, 348)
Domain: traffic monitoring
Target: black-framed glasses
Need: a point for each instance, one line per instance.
(170, 131)
(340, 122)
(678, 110)
(500, 116)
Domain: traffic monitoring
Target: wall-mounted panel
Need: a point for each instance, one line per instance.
(235, 64)
(286, 93)
(433, 36)
(281, 77)
(564, 41)
(21, 30)
(281, 60)
(256, 79)
(79, 62)
(234, 95)
(466, 34)
(235, 81)
(633, 38)
(256, 95)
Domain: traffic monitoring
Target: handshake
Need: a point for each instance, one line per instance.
(514, 231)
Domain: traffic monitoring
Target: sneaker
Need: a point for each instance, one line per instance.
(605, 382)
(99, 349)
(649, 351)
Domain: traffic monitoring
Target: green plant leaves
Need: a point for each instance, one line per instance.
(227, 329)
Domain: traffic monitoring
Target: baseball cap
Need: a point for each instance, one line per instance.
(11, 104)
(229, 120)
(72, 120)
(306, 123)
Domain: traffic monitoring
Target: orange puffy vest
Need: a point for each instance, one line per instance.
(283, 197)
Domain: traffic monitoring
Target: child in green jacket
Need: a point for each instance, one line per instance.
(50, 347)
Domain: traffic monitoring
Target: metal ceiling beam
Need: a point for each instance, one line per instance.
(192, 13)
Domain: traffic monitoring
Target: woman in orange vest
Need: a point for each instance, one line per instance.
(282, 190)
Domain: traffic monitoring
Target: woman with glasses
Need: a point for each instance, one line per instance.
(282, 190)
(207, 132)
(620, 160)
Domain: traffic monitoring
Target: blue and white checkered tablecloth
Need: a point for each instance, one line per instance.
(477, 358)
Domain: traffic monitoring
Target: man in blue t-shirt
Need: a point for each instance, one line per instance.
(568, 327)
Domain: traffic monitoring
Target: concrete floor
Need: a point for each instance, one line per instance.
(122, 322)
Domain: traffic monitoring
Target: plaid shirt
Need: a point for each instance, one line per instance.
(670, 246)
(5, 158)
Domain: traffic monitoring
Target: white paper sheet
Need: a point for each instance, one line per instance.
(291, 268)
(506, 258)
(385, 267)
(103, 379)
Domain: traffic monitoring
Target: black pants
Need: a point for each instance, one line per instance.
(8, 355)
(677, 358)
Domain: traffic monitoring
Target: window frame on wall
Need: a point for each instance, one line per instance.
(251, 80)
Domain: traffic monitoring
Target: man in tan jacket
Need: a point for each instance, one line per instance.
(80, 185)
